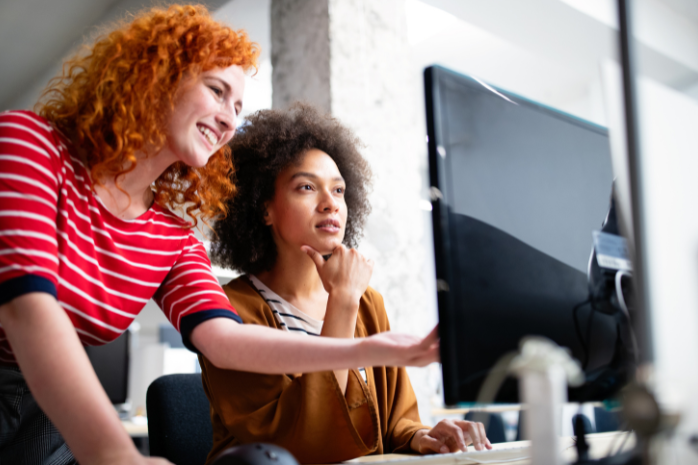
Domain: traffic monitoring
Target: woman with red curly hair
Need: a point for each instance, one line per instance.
(133, 129)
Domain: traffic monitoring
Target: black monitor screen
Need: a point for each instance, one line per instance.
(111, 363)
(518, 189)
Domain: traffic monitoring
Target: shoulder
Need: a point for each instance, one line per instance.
(28, 126)
(372, 296)
(30, 147)
(249, 304)
(240, 289)
(26, 118)
(372, 311)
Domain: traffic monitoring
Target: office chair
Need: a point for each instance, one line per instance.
(606, 420)
(179, 422)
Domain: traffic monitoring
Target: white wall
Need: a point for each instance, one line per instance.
(545, 50)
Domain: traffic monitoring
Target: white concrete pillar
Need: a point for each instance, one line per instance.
(351, 57)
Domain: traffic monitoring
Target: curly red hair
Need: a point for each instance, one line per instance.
(112, 101)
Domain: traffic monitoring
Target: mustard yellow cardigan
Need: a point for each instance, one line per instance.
(307, 413)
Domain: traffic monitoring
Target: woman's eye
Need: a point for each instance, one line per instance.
(306, 187)
(340, 190)
(216, 91)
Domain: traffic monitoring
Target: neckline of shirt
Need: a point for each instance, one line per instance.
(74, 160)
(274, 296)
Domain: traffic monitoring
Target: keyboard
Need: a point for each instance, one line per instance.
(502, 453)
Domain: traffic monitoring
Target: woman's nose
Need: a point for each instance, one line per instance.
(226, 120)
(329, 203)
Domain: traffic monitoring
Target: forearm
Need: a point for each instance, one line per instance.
(259, 349)
(340, 321)
(62, 380)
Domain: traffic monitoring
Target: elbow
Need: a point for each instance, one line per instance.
(206, 347)
(8, 313)
(213, 339)
(214, 358)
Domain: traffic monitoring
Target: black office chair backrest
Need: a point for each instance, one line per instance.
(494, 425)
(179, 422)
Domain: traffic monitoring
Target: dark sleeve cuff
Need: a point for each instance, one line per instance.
(189, 322)
(15, 287)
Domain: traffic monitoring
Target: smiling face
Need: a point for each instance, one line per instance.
(204, 117)
(308, 207)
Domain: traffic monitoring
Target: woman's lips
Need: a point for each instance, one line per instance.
(331, 226)
(208, 136)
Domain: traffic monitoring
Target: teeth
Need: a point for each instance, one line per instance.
(208, 134)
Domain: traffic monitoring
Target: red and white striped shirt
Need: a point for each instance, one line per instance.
(56, 236)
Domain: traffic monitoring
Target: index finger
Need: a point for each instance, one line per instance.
(430, 338)
(476, 431)
(314, 255)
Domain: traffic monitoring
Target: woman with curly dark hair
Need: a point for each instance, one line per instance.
(300, 207)
(136, 126)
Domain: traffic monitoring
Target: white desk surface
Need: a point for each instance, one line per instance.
(600, 445)
(136, 430)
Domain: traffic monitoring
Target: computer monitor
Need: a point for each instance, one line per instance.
(111, 363)
(517, 189)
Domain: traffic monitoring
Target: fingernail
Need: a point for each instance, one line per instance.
(444, 449)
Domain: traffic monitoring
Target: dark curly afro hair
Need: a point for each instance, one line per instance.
(270, 141)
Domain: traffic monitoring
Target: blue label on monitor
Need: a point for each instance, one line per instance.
(611, 251)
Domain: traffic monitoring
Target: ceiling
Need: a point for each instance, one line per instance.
(685, 7)
(543, 49)
(35, 36)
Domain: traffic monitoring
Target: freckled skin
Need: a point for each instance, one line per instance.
(213, 100)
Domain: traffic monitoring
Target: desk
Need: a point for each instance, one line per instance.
(460, 411)
(139, 435)
(136, 430)
(493, 408)
(599, 443)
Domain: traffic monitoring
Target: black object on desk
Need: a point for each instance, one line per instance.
(111, 364)
(517, 189)
(256, 454)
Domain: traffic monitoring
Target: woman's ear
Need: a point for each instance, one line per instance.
(267, 216)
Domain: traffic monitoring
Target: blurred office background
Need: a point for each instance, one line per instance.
(362, 60)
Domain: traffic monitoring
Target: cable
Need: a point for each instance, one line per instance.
(625, 439)
(619, 290)
(588, 340)
(577, 329)
(625, 311)
(493, 381)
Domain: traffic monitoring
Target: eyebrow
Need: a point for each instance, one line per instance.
(301, 174)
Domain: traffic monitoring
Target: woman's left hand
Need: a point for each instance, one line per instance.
(451, 436)
(346, 273)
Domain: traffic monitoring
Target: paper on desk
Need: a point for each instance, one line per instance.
(497, 455)
(493, 456)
